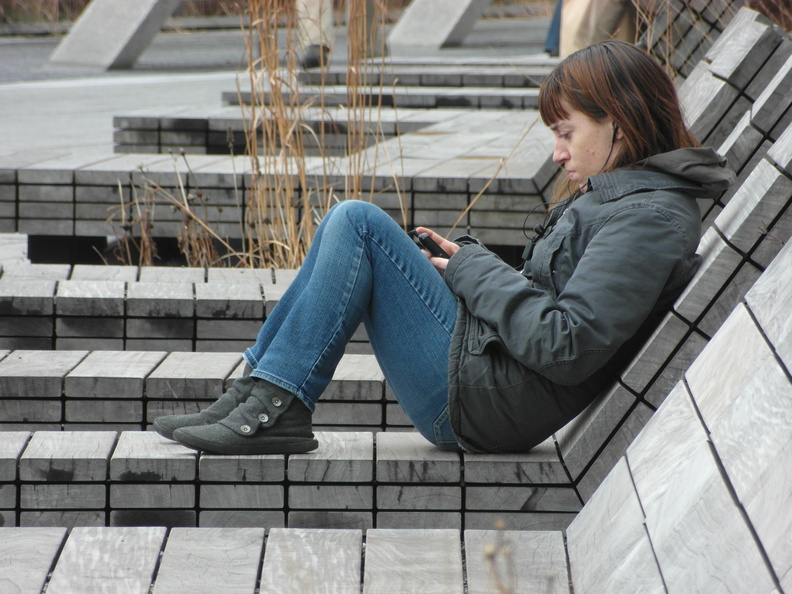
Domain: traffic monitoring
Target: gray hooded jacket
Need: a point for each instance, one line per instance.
(532, 348)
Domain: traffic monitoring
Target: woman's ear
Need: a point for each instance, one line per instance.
(617, 133)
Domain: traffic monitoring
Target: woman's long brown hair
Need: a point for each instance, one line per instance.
(618, 80)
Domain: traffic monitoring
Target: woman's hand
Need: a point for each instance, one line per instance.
(449, 247)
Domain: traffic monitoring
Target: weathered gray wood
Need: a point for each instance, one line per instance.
(539, 465)
(341, 457)
(421, 520)
(419, 498)
(357, 377)
(36, 373)
(58, 457)
(754, 206)
(96, 272)
(254, 469)
(248, 496)
(521, 498)
(705, 99)
(191, 375)
(774, 99)
(90, 298)
(169, 497)
(209, 560)
(655, 353)
(171, 274)
(583, 437)
(409, 457)
(147, 456)
(28, 555)
(517, 561)
(610, 552)
(26, 296)
(718, 264)
(162, 300)
(412, 561)
(330, 519)
(12, 443)
(308, 561)
(46, 496)
(107, 560)
(318, 497)
(227, 301)
(112, 374)
(743, 48)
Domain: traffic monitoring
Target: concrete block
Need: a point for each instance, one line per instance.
(113, 33)
(435, 23)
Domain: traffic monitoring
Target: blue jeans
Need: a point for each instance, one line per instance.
(363, 267)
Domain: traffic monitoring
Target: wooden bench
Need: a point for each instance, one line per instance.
(747, 230)
(698, 500)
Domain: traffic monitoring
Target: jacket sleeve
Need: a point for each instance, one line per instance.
(611, 292)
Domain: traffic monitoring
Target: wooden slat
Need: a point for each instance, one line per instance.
(192, 375)
(38, 374)
(108, 560)
(342, 457)
(210, 560)
(59, 456)
(306, 561)
(147, 456)
(409, 457)
(411, 561)
(27, 555)
(112, 374)
(516, 561)
(11, 445)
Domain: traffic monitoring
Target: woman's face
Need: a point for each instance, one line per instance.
(584, 147)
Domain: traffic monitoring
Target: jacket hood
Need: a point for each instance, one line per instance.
(698, 171)
(702, 166)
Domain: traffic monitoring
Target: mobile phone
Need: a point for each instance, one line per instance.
(423, 241)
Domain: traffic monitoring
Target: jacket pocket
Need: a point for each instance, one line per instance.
(479, 335)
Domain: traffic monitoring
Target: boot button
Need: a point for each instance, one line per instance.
(245, 429)
(276, 401)
(263, 418)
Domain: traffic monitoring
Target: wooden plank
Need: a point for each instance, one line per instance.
(12, 443)
(101, 272)
(240, 469)
(37, 374)
(160, 300)
(108, 560)
(147, 456)
(210, 560)
(90, 298)
(57, 456)
(357, 377)
(171, 274)
(28, 555)
(26, 296)
(192, 375)
(538, 466)
(306, 561)
(409, 457)
(610, 552)
(516, 561)
(341, 457)
(112, 374)
(413, 561)
(229, 301)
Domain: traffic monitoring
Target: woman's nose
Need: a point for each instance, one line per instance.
(560, 154)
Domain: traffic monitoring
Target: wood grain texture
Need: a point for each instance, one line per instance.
(191, 375)
(411, 561)
(532, 561)
(210, 560)
(98, 560)
(537, 466)
(409, 457)
(112, 374)
(312, 561)
(27, 555)
(147, 456)
(38, 374)
(342, 457)
(56, 456)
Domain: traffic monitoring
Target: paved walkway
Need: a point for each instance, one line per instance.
(48, 111)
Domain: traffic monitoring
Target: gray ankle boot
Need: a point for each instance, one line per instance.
(235, 395)
(271, 421)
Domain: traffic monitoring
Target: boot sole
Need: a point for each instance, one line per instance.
(292, 447)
